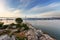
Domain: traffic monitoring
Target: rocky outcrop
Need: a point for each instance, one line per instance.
(38, 35)
(31, 34)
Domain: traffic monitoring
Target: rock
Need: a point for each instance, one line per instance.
(46, 37)
(37, 35)
(33, 34)
(6, 37)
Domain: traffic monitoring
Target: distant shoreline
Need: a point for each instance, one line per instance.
(13, 18)
(42, 19)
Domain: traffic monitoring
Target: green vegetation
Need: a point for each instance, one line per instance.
(5, 26)
(20, 26)
(18, 20)
(25, 26)
(1, 24)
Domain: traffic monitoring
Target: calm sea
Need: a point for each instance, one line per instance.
(51, 27)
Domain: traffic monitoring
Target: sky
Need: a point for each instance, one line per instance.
(30, 8)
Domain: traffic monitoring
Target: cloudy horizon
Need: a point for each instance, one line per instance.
(30, 8)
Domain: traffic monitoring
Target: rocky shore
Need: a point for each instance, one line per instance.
(22, 31)
(31, 34)
(34, 34)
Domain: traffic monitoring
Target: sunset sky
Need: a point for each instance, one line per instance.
(30, 8)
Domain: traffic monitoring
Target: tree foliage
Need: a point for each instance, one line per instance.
(18, 20)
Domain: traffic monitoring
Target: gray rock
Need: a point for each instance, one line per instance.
(34, 34)
(46, 37)
(31, 34)
(37, 35)
(6, 37)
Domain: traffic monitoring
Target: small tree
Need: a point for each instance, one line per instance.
(18, 20)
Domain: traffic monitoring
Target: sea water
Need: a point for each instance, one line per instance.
(51, 27)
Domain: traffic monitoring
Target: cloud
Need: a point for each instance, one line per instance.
(37, 11)
(46, 14)
(54, 4)
(24, 3)
(28, 4)
(15, 13)
(50, 7)
(49, 14)
(4, 12)
(51, 10)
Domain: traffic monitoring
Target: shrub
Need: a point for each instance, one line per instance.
(18, 20)
(1, 24)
